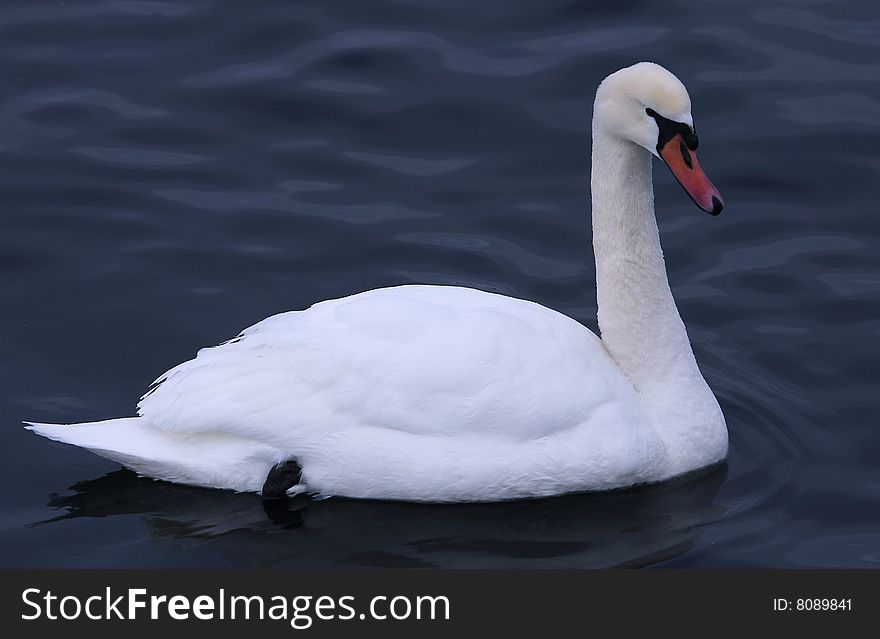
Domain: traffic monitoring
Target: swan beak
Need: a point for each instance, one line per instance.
(682, 161)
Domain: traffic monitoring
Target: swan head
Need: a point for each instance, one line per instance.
(647, 105)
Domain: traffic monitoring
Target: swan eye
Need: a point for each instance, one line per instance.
(670, 128)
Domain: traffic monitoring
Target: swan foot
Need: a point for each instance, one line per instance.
(281, 479)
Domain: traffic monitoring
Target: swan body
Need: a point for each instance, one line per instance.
(436, 393)
(357, 387)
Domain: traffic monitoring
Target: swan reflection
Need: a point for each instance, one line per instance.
(625, 528)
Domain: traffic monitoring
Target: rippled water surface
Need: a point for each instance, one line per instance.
(171, 172)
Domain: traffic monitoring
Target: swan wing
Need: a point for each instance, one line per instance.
(423, 360)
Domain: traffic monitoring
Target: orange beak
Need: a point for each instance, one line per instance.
(682, 161)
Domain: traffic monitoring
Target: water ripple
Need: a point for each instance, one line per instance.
(251, 201)
(140, 157)
(539, 54)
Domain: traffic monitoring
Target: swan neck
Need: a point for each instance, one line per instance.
(638, 319)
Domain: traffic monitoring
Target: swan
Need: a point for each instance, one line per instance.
(448, 394)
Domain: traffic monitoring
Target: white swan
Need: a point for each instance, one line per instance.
(435, 393)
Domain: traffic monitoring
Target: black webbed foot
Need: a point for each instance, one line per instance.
(282, 477)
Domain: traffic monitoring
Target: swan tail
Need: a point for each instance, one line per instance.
(214, 460)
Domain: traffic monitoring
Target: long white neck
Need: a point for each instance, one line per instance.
(639, 322)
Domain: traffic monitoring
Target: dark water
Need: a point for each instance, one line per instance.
(171, 172)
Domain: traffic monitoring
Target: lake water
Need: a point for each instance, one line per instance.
(172, 172)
